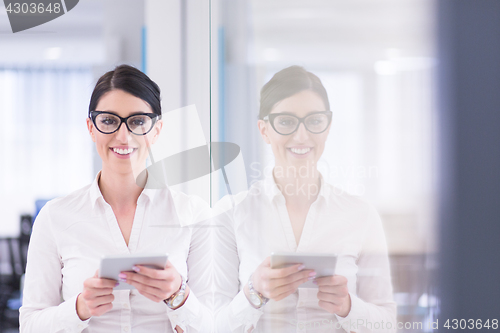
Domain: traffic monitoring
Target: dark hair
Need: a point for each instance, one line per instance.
(286, 83)
(130, 80)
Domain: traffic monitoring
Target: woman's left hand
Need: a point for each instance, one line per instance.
(155, 284)
(333, 294)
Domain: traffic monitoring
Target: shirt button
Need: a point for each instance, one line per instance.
(125, 305)
(125, 329)
(301, 303)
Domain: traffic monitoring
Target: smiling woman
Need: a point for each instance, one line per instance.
(117, 108)
(118, 214)
(295, 212)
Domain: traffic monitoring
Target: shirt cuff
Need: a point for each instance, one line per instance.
(68, 320)
(187, 314)
(243, 313)
(350, 322)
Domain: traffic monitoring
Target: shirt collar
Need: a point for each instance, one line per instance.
(95, 191)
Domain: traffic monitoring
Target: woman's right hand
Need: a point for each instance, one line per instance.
(96, 297)
(278, 283)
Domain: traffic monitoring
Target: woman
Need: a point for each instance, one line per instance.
(294, 210)
(118, 214)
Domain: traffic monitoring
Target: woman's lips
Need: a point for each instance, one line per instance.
(123, 153)
(300, 152)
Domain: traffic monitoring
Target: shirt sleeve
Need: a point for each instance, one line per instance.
(43, 310)
(234, 313)
(372, 307)
(195, 314)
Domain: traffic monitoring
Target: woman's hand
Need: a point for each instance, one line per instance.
(333, 294)
(155, 284)
(96, 297)
(278, 283)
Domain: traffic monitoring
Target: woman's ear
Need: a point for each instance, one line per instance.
(90, 127)
(157, 130)
(328, 129)
(263, 130)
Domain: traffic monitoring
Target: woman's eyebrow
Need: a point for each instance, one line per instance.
(293, 114)
(130, 114)
(139, 112)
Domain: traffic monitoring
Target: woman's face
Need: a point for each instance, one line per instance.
(301, 147)
(133, 148)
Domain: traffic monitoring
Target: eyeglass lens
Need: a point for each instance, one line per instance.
(109, 123)
(286, 124)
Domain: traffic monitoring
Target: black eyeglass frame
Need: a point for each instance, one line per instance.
(270, 117)
(154, 117)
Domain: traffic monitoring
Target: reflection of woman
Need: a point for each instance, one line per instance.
(117, 214)
(294, 210)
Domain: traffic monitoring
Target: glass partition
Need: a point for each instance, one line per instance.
(376, 61)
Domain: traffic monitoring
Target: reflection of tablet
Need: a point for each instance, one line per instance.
(111, 266)
(323, 264)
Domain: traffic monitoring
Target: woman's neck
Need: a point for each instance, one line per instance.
(119, 189)
(298, 184)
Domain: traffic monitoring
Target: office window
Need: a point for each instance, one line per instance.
(46, 150)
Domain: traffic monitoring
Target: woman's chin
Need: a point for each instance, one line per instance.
(126, 167)
(292, 167)
(301, 160)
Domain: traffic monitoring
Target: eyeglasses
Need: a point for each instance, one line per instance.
(286, 124)
(138, 124)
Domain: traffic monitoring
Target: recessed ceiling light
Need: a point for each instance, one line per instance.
(52, 53)
(271, 54)
(385, 68)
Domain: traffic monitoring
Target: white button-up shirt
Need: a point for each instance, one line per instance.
(72, 233)
(337, 223)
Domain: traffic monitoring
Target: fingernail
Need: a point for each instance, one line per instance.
(301, 267)
(315, 282)
(311, 278)
(136, 269)
(122, 276)
(312, 274)
(117, 284)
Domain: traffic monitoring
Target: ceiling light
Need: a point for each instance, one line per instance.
(52, 53)
(271, 54)
(385, 68)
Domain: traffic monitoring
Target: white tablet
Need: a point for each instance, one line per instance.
(323, 264)
(111, 266)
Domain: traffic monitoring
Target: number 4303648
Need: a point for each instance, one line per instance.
(471, 324)
(33, 8)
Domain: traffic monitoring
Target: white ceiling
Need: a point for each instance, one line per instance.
(316, 33)
(342, 33)
(77, 35)
(86, 19)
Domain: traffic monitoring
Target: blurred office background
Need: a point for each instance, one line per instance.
(377, 60)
